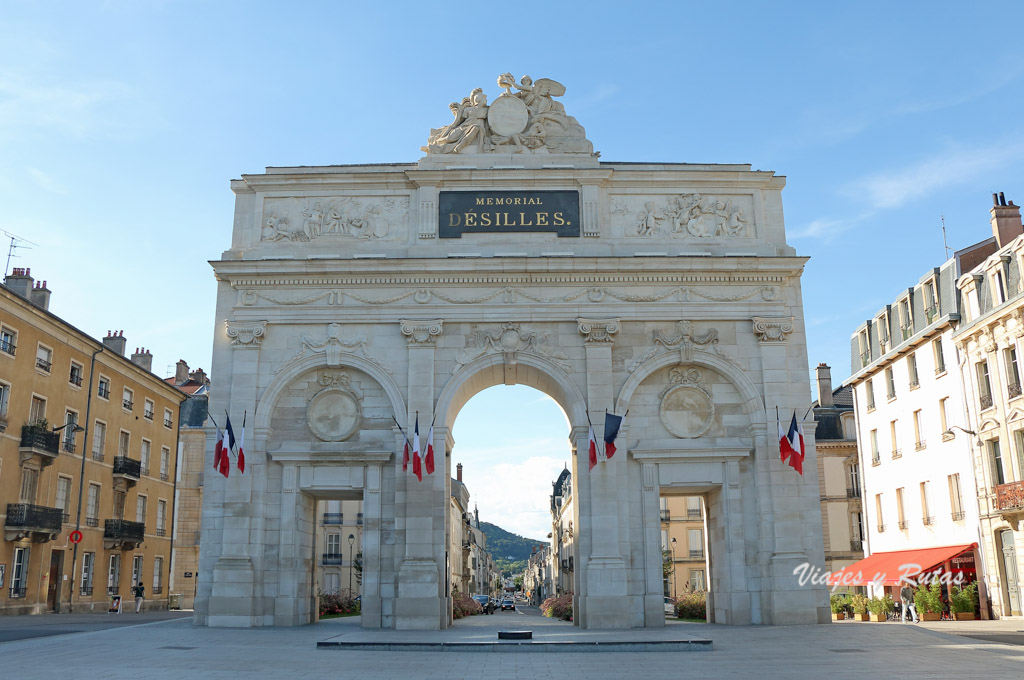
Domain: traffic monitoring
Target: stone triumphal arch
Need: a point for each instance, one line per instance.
(353, 297)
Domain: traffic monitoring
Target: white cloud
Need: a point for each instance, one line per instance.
(516, 495)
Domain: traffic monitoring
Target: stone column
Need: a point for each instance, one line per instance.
(604, 570)
(371, 606)
(654, 611)
(421, 601)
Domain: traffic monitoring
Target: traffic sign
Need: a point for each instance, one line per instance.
(75, 536)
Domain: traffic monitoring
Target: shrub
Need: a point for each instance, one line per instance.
(961, 600)
(881, 605)
(464, 605)
(692, 605)
(558, 607)
(859, 604)
(337, 603)
(839, 603)
(928, 598)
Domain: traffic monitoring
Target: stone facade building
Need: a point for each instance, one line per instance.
(87, 442)
(354, 299)
(562, 555)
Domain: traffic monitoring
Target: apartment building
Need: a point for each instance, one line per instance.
(340, 533)
(87, 462)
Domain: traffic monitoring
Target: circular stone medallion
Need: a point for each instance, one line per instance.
(507, 116)
(333, 415)
(687, 412)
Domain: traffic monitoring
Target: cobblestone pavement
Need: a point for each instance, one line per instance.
(177, 649)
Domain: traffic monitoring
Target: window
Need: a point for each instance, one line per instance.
(158, 571)
(999, 288)
(890, 384)
(147, 409)
(918, 439)
(856, 529)
(19, 572)
(697, 580)
(44, 358)
(68, 438)
(1012, 372)
(956, 501)
(943, 425)
(99, 439)
(865, 348)
(88, 565)
(168, 418)
(29, 484)
(995, 458)
(161, 517)
(332, 582)
(1018, 436)
(140, 509)
(899, 509)
(693, 507)
(92, 506)
(333, 544)
(127, 398)
(137, 570)
(875, 459)
(123, 441)
(881, 323)
(853, 472)
(165, 463)
(984, 386)
(695, 541)
(113, 574)
(8, 341)
(931, 302)
(940, 362)
(37, 411)
(878, 512)
(906, 320)
(103, 387)
(869, 387)
(64, 495)
(896, 452)
(75, 376)
(926, 517)
(5, 397)
(912, 371)
(144, 456)
(118, 508)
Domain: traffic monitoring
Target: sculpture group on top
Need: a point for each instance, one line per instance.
(528, 120)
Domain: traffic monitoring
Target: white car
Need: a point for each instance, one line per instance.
(670, 606)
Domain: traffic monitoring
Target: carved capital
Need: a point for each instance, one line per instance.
(246, 333)
(772, 328)
(597, 331)
(421, 332)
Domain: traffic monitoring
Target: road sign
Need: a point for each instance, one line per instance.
(75, 536)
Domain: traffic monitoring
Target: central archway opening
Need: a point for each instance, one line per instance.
(511, 445)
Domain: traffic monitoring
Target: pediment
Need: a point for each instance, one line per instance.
(988, 425)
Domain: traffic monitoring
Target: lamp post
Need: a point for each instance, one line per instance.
(351, 564)
(75, 429)
(675, 591)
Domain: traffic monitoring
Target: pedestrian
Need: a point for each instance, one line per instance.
(907, 597)
(139, 592)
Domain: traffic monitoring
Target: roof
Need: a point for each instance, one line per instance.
(888, 568)
(843, 396)
(189, 387)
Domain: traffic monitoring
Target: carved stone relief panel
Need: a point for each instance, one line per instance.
(327, 218)
(510, 339)
(334, 413)
(685, 216)
(687, 410)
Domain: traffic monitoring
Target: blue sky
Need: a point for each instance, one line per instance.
(121, 124)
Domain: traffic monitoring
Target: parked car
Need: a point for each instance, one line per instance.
(670, 606)
(486, 603)
(508, 603)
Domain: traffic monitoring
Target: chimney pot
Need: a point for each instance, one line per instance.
(1006, 223)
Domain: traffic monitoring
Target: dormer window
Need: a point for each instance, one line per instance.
(931, 301)
(906, 320)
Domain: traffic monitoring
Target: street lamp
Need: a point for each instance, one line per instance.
(351, 565)
(675, 591)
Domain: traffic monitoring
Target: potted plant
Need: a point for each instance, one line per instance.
(962, 601)
(880, 607)
(860, 607)
(928, 601)
(839, 603)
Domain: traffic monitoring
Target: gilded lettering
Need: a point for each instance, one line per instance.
(454, 220)
(542, 219)
(485, 219)
(523, 222)
(481, 201)
(559, 220)
(470, 219)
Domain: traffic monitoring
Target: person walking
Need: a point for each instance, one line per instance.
(139, 591)
(907, 598)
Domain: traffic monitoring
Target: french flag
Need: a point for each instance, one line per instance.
(428, 460)
(416, 469)
(592, 446)
(612, 425)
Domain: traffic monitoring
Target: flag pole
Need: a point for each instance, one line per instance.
(595, 434)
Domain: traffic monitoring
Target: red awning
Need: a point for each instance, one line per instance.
(889, 567)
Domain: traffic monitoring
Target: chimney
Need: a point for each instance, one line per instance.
(115, 342)
(40, 295)
(199, 375)
(458, 472)
(180, 372)
(824, 374)
(1006, 224)
(20, 282)
(143, 359)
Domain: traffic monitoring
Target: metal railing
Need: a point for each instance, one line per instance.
(75, 379)
(696, 553)
(18, 591)
(986, 401)
(332, 559)
(28, 516)
(35, 437)
(85, 590)
(1013, 389)
(904, 524)
(876, 459)
(148, 415)
(928, 520)
(91, 522)
(122, 529)
(97, 455)
(856, 545)
(665, 516)
(127, 403)
(68, 445)
(161, 532)
(334, 518)
(103, 391)
(958, 516)
(1010, 496)
(692, 513)
(157, 590)
(852, 493)
(43, 364)
(897, 453)
(168, 422)
(8, 347)
(127, 467)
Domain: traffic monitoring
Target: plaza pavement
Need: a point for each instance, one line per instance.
(176, 649)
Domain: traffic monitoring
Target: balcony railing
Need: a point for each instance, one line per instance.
(127, 467)
(18, 591)
(1013, 389)
(904, 524)
(127, 404)
(168, 422)
(1010, 496)
(157, 590)
(856, 545)
(97, 455)
(915, 383)
(359, 519)
(334, 518)
(865, 359)
(958, 516)
(665, 516)
(986, 401)
(161, 532)
(43, 365)
(897, 453)
(696, 553)
(928, 521)
(852, 493)
(332, 559)
(941, 368)
(34, 518)
(693, 513)
(919, 446)
(8, 347)
(75, 379)
(86, 590)
(35, 437)
(123, 530)
(91, 522)
(876, 459)
(148, 415)
(68, 445)
(103, 391)
(881, 528)
(163, 477)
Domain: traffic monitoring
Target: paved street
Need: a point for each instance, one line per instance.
(176, 649)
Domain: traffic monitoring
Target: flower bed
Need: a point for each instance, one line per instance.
(692, 605)
(463, 605)
(558, 607)
(336, 604)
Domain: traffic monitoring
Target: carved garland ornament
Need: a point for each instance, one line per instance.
(334, 346)
(685, 341)
(510, 340)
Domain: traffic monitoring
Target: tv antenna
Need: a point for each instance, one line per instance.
(942, 218)
(16, 242)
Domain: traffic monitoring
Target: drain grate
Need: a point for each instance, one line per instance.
(176, 647)
(840, 651)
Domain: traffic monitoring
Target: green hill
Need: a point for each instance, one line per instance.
(510, 551)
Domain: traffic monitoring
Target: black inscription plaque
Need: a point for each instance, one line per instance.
(475, 212)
